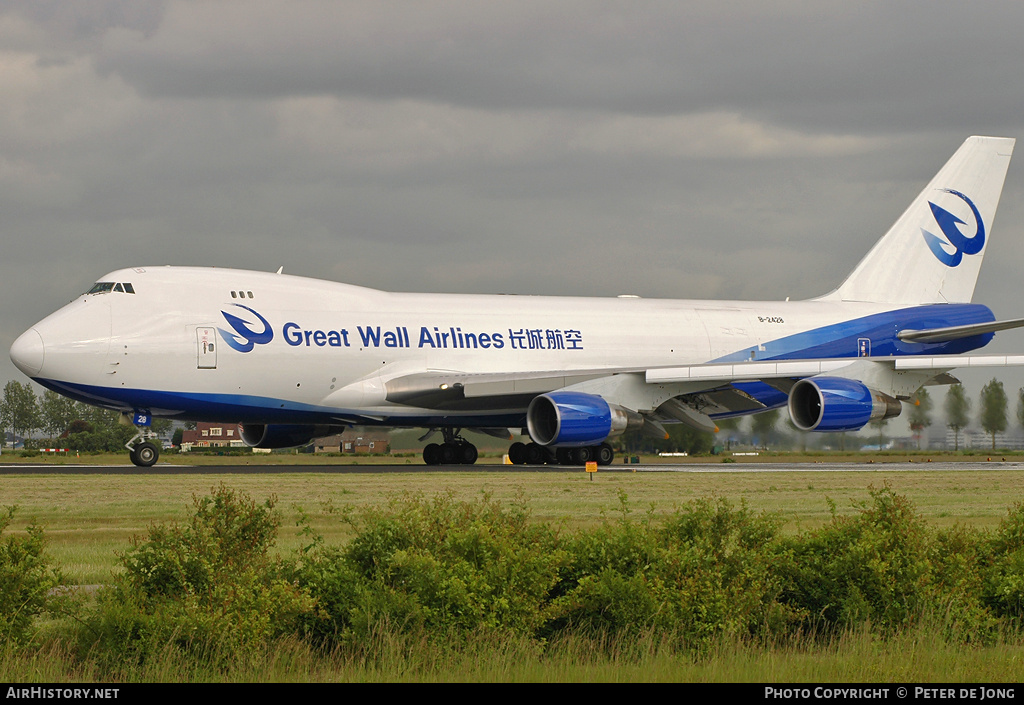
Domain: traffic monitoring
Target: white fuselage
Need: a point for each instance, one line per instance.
(333, 346)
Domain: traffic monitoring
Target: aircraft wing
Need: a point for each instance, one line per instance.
(765, 370)
(646, 390)
(453, 389)
(897, 377)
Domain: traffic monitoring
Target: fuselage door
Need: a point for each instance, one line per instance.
(206, 341)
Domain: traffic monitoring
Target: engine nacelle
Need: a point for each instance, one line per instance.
(838, 404)
(280, 435)
(573, 419)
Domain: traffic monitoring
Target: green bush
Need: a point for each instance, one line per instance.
(704, 573)
(208, 586)
(450, 571)
(709, 570)
(872, 568)
(445, 566)
(733, 557)
(27, 580)
(958, 557)
(1004, 578)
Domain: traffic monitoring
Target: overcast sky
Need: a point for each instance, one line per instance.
(741, 149)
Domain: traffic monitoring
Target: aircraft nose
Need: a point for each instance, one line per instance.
(27, 352)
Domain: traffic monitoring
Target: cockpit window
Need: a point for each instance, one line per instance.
(107, 287)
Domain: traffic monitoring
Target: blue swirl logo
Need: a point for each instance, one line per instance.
(244, 338)
(949, 225)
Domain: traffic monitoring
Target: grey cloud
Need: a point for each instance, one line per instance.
(830, 66)
(705, 150)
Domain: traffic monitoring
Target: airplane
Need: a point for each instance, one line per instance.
(292, 358)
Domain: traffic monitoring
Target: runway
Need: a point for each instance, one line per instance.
(730, 468)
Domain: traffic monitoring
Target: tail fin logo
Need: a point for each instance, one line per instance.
(949, 225)
(244, 338)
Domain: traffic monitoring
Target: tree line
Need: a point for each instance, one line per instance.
(993, 413)
(993, 418)
(24, 414)
(62, 421)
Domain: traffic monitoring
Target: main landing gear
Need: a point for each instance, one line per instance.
(142, 451)
(455, 450)
(536, 454)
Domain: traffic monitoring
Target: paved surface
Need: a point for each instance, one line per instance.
(162, 469)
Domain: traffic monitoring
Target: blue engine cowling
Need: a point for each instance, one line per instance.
(837, 404)
(573, 419)
(280, 435)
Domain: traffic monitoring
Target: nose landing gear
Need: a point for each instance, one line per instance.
(141, 450)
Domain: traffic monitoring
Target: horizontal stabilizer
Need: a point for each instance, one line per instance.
(943, 335)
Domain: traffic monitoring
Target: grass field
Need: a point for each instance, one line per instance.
(89, 517)
(920, 656)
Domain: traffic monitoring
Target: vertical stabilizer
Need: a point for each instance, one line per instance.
(933, 252)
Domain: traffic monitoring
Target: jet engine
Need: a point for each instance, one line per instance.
(576, 419)
(837, 404)
(281, 435)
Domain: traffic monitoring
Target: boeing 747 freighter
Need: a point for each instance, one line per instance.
(291, 358)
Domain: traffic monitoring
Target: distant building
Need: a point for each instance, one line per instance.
(352, 441)
(974, 438)
(211, 435)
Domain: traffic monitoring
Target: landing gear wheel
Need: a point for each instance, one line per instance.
(517, 453)
(467, 453)
(582, 455)
(141, 451)
(449, 453)
(605, 454)
(145, 455)
(536, 454)
(432, 454)
(455, 450)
